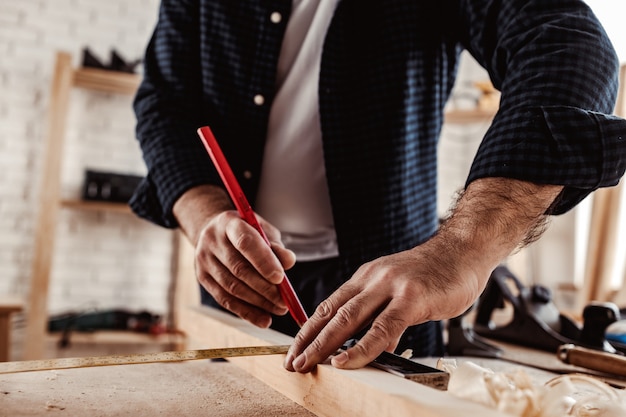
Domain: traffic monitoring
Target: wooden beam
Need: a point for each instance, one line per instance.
(327, 392)
(49, 188)
(604, 229)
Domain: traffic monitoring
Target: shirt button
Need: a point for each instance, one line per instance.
(276, 17)
(259, 100)
(247, 174)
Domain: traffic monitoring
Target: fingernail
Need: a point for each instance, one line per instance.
(288, 360)
(340, 359)
(299, 362)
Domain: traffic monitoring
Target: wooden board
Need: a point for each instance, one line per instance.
(106, 80)
(48, 207)
(604, 229)
(327, 391)
(469, 116)
(106, 206)
(197, 388)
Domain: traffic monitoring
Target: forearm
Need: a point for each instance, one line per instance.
(197, 206)
(491, 219)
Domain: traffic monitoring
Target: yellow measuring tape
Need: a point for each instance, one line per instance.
(137, 358)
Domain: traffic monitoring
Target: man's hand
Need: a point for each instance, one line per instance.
(437, 280)
(391, 293)
(232, 261)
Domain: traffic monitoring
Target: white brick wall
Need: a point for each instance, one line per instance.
(102, 260)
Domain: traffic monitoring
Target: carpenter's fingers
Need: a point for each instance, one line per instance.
(238, 281)
(384, 334)
(335, 320)
(286, 257)
(249, 242)
(255, 315)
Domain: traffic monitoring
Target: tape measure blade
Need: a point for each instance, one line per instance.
(139, 358)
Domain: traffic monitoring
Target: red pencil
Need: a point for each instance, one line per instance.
(245, 211)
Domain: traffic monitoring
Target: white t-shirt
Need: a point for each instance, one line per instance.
(293, 193)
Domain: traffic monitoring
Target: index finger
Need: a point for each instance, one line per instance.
(335, 320)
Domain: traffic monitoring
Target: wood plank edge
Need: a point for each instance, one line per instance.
(327, 391)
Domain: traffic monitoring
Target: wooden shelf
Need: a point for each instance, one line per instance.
(8, 306)
(65, 78)
(96, 206)
(469, 116)
(106, 81)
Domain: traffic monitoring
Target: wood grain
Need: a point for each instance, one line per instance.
(198, 388)
(327, 392)
(106, 81)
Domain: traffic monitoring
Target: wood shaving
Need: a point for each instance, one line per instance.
(514, 392)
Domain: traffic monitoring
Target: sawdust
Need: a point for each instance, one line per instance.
(198, 388)
(50, 406)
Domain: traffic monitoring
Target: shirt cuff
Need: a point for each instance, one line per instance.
(166, 181)
(579, 149)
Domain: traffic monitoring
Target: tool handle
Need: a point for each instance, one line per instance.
(245, 211)
(597, 360)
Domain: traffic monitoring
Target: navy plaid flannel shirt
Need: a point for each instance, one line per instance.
(388, 67)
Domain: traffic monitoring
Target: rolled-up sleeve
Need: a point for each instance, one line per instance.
(557, 72)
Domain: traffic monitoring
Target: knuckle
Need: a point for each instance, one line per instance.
(343, 317)
(239, 268)
(316, 346)
(244, 241)
(325, 309)
(379, 331)
(205, 279)
(385, 328)
(300, 340)
(266, 266)
(202, 255)
(348, 313)
(361, 348)
(232, 286)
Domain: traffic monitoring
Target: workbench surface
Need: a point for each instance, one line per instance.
(195, 388)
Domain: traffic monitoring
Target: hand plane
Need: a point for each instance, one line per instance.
(536, 321)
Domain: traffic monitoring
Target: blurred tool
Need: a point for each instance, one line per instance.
(536, 321)
(609, 363)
